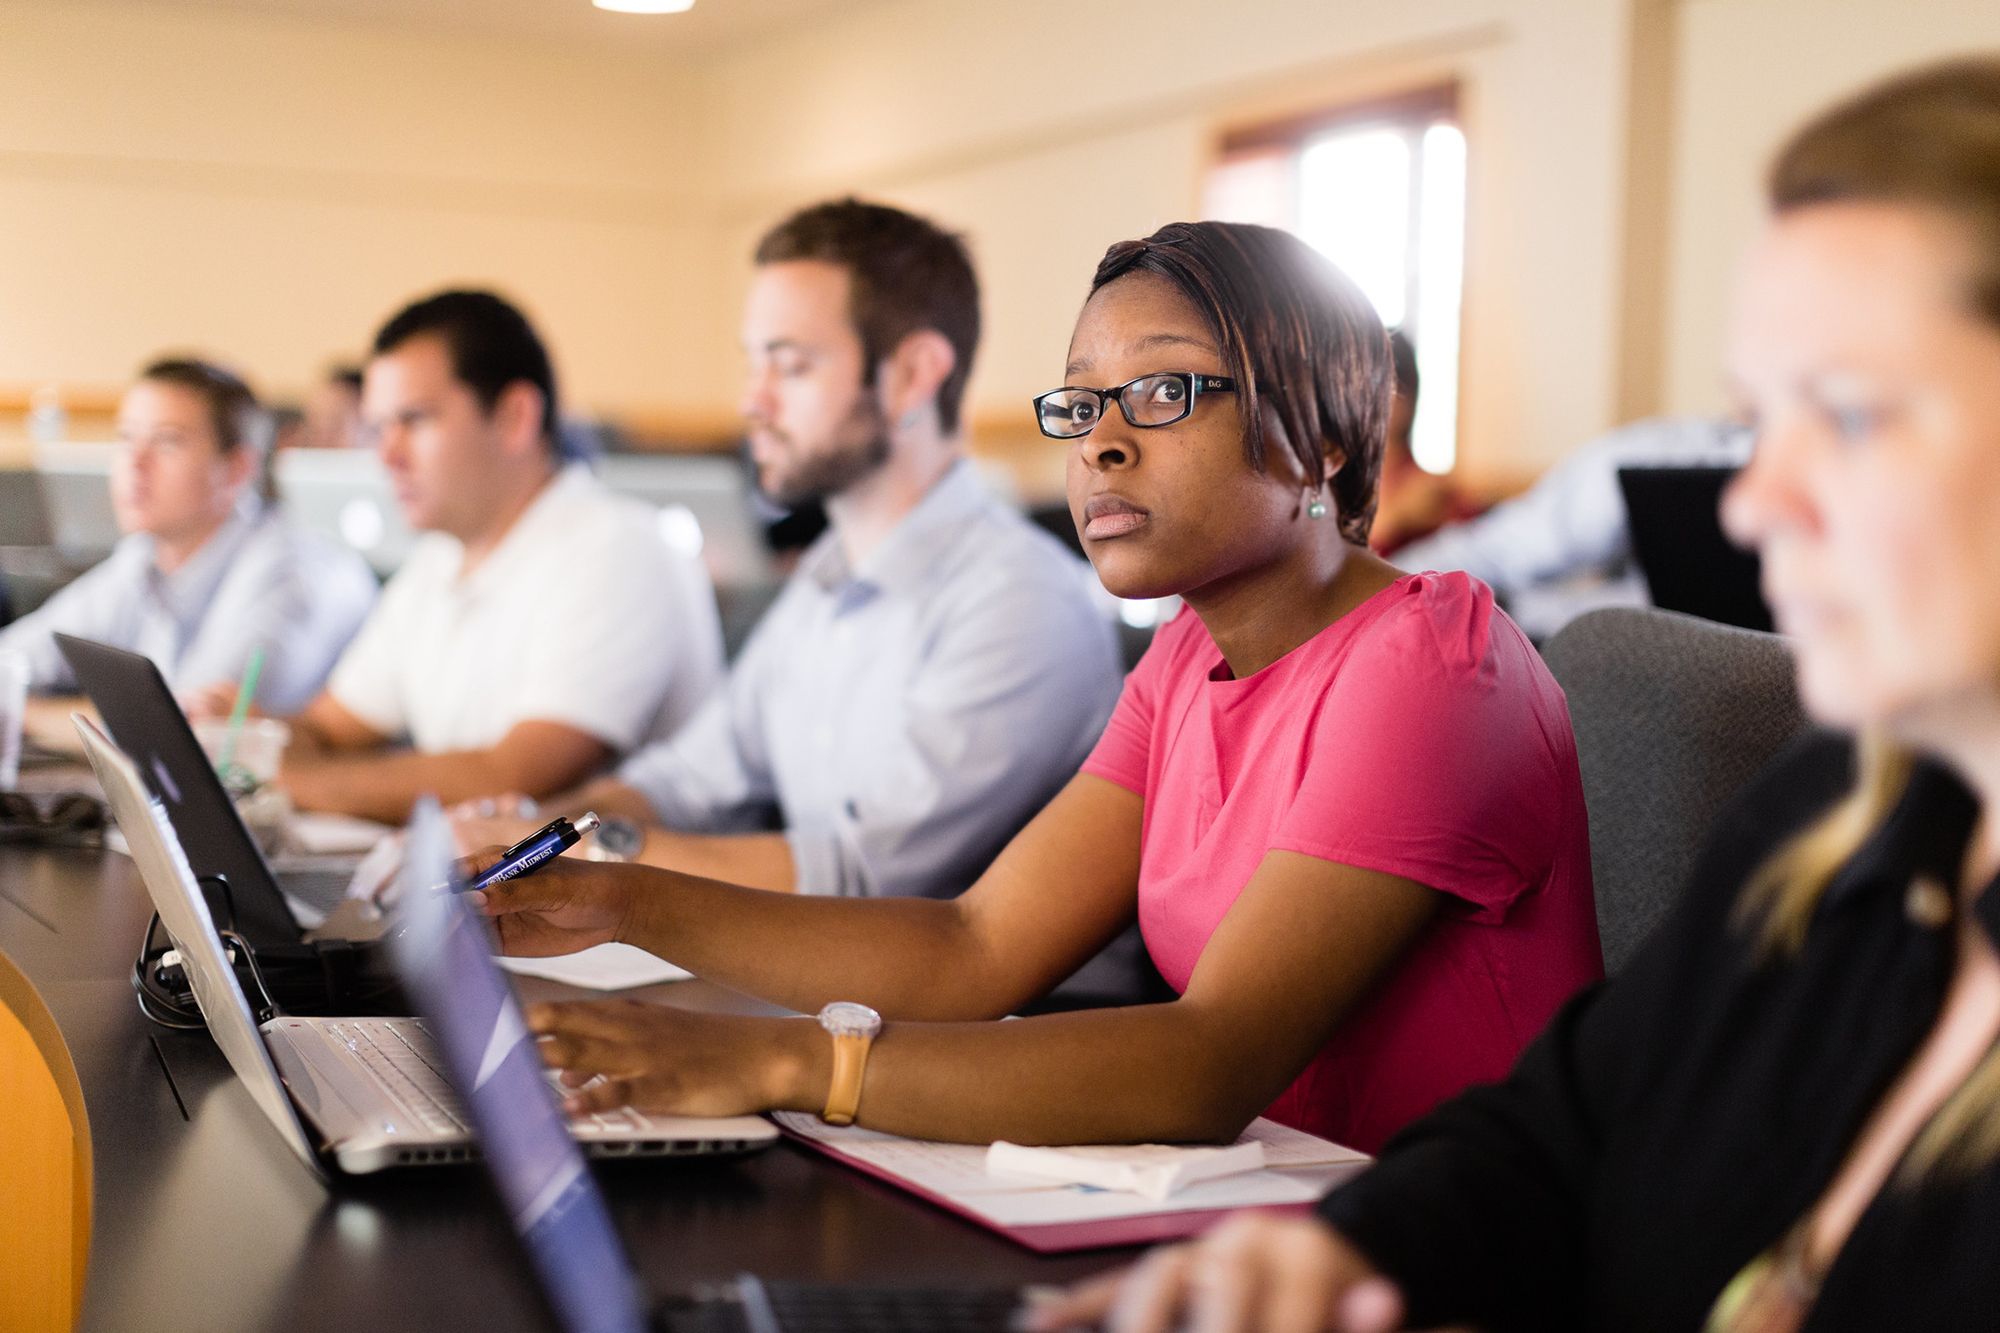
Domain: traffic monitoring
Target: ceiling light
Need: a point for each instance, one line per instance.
(645, 6)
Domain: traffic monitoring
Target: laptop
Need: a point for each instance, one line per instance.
(365, 1093)
(706, 509)
(580, 1265)
(1675, 518)
(345, 495)
(273, 910)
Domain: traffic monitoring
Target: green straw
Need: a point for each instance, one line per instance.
(244, 693)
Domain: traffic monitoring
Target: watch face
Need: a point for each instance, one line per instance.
(621, 837)
(844, 1018)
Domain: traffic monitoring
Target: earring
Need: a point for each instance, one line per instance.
(1315, 507)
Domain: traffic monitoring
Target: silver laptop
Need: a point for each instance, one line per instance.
(345, 495)
(706, 509)
(364, 1093)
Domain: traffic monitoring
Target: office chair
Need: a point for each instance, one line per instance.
(1672, 716)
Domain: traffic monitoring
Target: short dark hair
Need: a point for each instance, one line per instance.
(1294, 332)
(491, 345)
(238, 419)
(906, 274)
(1403, 355)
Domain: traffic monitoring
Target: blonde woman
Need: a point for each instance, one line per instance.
(1786, 1115)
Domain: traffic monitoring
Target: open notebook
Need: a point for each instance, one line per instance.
(1049, 1217)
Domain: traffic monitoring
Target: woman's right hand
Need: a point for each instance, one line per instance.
(1261, 1271)
(565, 905)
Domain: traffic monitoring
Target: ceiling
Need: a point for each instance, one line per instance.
(710, 28)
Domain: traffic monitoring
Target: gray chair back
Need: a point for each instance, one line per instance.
(1672, 716)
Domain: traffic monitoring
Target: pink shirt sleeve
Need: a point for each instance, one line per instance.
(1432, 759)
(1123, 753)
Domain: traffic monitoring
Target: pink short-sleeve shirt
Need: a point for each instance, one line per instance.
(1421, 736)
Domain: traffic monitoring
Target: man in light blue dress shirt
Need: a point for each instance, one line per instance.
(208, 573)
(935, 669)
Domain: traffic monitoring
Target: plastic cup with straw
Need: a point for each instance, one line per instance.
(235, 778)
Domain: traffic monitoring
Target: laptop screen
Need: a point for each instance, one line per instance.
(139, 711)
(444, 956)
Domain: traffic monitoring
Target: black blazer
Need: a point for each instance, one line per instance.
(1673, 1122)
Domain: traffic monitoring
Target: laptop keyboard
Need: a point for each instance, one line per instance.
(802, 1307)
(405, 1067)
(320, 888)
(397, 1051)
(752, 1305)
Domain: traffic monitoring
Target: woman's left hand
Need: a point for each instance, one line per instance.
(667, 1061)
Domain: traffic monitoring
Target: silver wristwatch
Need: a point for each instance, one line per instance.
(616, 840)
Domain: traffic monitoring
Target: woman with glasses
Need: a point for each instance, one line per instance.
(1341, 802)
(1785, 1114)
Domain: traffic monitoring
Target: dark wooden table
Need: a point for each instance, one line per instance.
(201, 1218)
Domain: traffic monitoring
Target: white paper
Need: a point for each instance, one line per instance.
(333, 835)
(957, 1172)
(604, 967)
(1152, 1170)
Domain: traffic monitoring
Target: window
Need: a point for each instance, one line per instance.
(1380, 190)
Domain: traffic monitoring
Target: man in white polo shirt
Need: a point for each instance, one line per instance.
(542, 628)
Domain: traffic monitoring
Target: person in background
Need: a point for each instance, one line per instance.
(1414, 503)
(332, 414)
(541, 627)
(1563, 547)
(1785, 1113)
(208, 574)
(1342, 803)
(934, 669)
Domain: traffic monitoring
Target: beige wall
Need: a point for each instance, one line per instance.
(1045, 150)
(1749, 72)
(269, 189)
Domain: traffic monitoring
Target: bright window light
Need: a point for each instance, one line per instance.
(1441, 264)
(1382, 196)
(1354, 206)
(645, 6)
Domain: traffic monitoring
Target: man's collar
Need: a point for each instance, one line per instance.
(542, 511)
(190, 585)
(904, 557)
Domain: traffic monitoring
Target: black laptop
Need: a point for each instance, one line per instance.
(1675, 518)
(140, 712)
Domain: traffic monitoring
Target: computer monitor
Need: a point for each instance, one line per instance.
(76, 493)
(24, 518)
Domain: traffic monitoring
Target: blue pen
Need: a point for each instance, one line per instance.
(527, 855)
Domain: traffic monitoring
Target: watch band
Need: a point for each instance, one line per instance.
(850, 1060)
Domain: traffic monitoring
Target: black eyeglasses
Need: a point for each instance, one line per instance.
(1151, 400)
